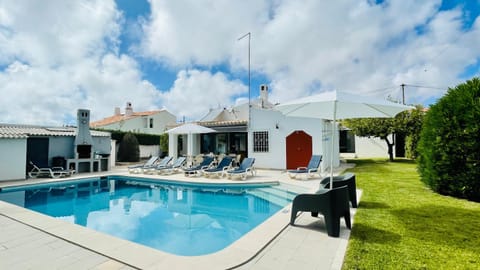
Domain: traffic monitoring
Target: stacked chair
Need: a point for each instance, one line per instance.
(333, 204)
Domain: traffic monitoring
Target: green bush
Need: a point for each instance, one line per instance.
(449, 147)
(164, 143)
(129, 149)
(143, 139)
(410, 147)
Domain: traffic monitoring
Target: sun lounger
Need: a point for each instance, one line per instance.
(309, 171)
(160, 165)
(174, 167)
(197, 170)
(242, 171)
(138, 168)
(53, 172)
(220, 169)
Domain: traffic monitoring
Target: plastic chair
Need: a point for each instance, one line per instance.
(331, 203)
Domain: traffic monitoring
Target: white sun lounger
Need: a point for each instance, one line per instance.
(54, 172)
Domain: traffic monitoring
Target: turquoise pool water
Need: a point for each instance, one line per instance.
(182, 219)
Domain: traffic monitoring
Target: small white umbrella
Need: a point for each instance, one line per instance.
(336, 105)
(189, 129)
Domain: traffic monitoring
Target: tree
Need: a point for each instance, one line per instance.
(373, 127)
(407, 122)
(449, 146)
(129, 149)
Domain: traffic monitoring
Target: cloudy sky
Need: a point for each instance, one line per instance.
(57, 56)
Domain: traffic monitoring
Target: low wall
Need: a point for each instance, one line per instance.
(149, 150)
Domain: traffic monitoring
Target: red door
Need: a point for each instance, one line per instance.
(299, 149)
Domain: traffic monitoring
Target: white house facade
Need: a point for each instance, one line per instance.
(273, 139)
(149, 122)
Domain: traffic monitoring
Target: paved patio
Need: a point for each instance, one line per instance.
(29, 240)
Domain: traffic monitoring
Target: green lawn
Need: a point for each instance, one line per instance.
(401, 224)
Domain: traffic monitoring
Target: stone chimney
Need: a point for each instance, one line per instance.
(83, 139)
(129, 109)
(117, 111)
(263, 95)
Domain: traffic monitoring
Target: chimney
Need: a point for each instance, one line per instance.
(263, 94)
(83, 138)
(129, 109)
(117, 111)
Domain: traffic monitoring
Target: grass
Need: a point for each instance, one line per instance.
(401, 224)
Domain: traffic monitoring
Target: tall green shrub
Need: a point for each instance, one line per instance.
(449, 147)
(411, 122)
(164, 142)
(129, 149)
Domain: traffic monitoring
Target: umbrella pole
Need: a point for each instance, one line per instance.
(333, 142)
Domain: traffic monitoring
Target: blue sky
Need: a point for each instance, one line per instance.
(57, 56)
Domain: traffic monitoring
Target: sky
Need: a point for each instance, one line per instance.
(185, 56)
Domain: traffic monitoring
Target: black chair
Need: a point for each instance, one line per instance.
(332, 204)
(347, 179)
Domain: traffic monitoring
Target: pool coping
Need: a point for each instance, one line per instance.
(143, 257)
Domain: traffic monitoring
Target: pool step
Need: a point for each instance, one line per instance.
(274, 195)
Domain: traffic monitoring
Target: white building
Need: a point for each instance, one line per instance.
(149, 122)
(352, 146)
(44, 146)
(273, 139)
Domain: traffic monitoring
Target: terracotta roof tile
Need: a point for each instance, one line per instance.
(118, 118)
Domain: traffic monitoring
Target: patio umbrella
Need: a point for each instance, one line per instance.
(336, 105)
(189, 129)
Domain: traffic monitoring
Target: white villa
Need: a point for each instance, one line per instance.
(273, 139)
(149, 122)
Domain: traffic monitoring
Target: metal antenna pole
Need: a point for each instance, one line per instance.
(249, 88)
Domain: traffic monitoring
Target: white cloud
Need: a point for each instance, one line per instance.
(63, 57)
(57, 56)
(195, 91)
(182, 33)
(53, 33)
(309, 46)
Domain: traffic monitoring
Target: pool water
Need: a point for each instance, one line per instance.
(186, 220)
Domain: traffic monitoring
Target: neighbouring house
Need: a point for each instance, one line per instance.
(52, 146)
(273, 139)
(352, 146)
(149, 122)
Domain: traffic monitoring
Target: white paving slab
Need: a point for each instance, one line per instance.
(29, 240)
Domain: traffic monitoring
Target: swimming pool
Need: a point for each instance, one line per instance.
(182, 219)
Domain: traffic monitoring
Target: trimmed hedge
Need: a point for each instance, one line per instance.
(143, 139)
(449, 146)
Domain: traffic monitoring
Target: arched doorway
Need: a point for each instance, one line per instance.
(299, 149)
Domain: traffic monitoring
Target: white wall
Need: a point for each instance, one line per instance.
(266, 120)
(13, 159)
(371, 147)
(149, 150)
(61, 146)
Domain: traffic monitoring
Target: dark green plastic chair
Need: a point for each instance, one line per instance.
(347, 179)
(331, 203)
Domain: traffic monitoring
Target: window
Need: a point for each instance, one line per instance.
(151, 122)
(260, 141)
